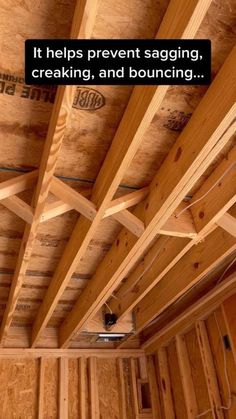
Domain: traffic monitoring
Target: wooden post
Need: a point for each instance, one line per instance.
(93, 389)
(41, 388)
(165, 384)
(186, 377)
(82, 388)
(63, 389)
(134, 387)
(209, 370)
(154, 391)
(122, 395)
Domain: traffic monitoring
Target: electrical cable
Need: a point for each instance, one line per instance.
(229, 405)
(207, 192)
(176, 216)
(226, 270)
(148, 267)
(168, 238)
(108, 308)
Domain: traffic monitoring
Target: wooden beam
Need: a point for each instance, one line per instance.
(167, 252)
(130, 221)
(180, 21)
(186, 377)
(166, 193)
(216, 196)
(41, 389)
(82, 27)
(122, 395)
(18, 184)
(53, 209)
(180, 226)
(165, 384)
(228, 223)
(10, 353)
(93, 389)
(209, 370)
(73, 198)
(126, 201)
(59, 207)
(191, 268)
(63, 388)
(198, 311)
(82, 388)
(19, 207)
(134, 387)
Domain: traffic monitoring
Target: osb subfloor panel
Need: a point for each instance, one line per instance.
(25, 114)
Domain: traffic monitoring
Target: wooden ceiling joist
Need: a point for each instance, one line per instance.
(188, 162)
(190, 269)
(83, 22)
(197, 311)
(165, 254)
(180, 21)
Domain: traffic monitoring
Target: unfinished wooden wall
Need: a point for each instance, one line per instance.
(184, 378)
(69, 388)
(196, 370)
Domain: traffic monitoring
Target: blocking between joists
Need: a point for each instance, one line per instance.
(69, 199)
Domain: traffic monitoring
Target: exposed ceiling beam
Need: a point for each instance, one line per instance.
(180, 21)
(193, 266)
(197, 311)
(82, 26)
(164, 254)
(187, 161)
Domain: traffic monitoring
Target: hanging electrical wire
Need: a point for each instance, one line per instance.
(207, 192)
